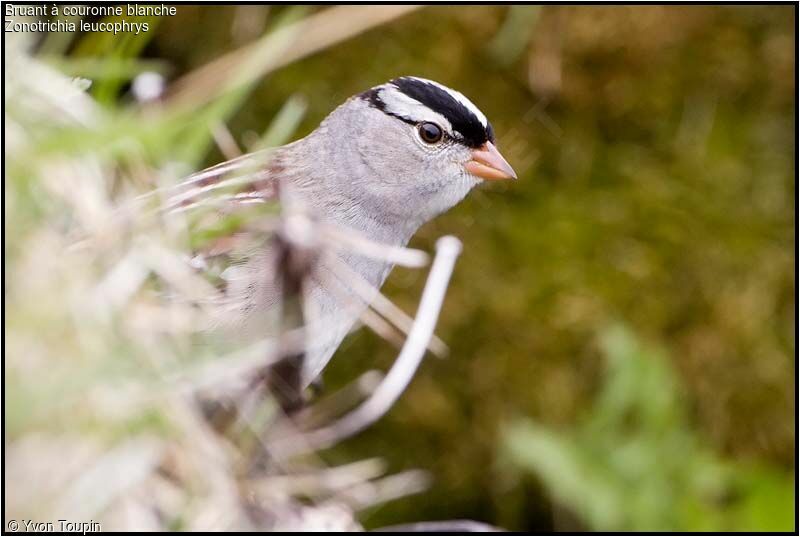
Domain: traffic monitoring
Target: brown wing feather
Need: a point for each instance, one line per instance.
(224, 189)
(251, 178)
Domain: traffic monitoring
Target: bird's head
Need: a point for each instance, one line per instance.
(418, 146)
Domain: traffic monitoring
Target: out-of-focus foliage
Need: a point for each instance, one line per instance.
(110, 370)
(634, 463)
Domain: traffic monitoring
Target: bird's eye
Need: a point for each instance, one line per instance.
(430, 132)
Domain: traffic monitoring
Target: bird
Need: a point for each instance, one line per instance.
(382, 164)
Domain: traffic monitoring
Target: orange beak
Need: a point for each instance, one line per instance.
(487, 163)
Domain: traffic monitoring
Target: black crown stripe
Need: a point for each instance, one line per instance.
(463, 120)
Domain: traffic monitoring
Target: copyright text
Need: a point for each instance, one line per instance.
(62, 525)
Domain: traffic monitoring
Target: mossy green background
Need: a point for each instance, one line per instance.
(656, 153)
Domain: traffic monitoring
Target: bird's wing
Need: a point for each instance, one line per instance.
(228, 189)
(249, 179)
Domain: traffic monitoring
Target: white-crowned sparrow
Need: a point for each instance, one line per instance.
(383, 163)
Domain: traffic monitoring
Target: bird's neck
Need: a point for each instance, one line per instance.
(313, 190)
(329, 193)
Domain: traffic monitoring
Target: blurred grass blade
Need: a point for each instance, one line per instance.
(281, 47)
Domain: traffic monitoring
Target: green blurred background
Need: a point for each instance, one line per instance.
(621, 322)
(655, 152)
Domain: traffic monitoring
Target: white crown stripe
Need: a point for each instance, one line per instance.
(398, 103)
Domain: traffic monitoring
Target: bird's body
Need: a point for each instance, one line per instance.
(382, 164)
